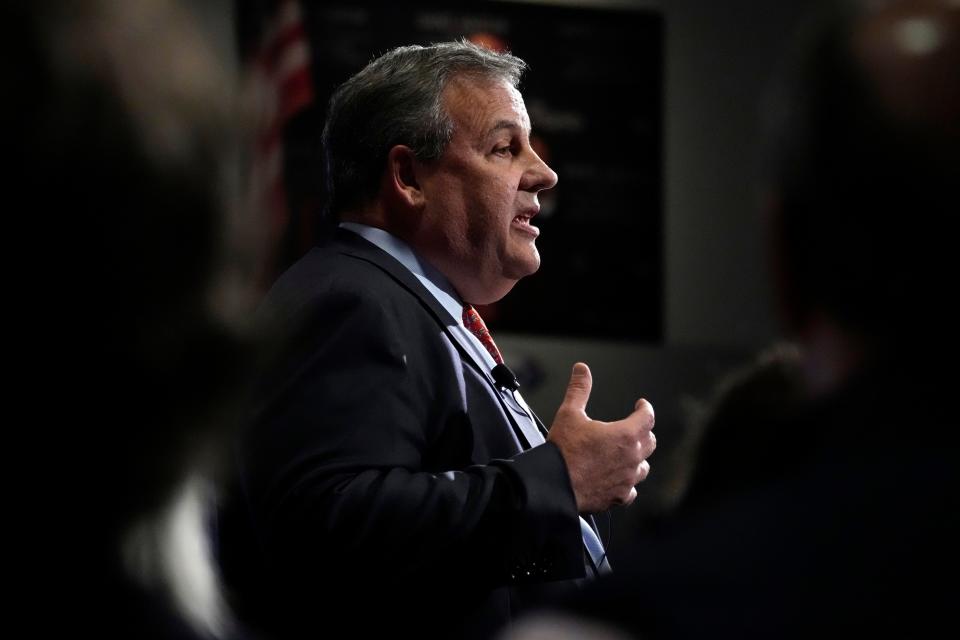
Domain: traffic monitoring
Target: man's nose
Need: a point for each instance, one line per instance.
(539, 175)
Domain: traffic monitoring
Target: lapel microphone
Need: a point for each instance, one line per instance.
(504, 377)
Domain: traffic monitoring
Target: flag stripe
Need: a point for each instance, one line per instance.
(281, 85)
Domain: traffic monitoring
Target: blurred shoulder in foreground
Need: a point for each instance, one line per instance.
(129, 346)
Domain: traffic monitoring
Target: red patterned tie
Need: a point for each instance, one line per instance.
(473, 322)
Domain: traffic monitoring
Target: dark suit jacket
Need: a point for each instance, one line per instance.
(384, 479)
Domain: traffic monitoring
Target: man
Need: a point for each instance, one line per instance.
(395, 477)
(839, 512)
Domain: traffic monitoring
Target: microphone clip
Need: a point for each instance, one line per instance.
(504, 377)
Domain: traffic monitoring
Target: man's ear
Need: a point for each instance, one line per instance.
(402, 182)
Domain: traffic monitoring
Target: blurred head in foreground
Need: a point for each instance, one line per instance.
(124, 141)
(865, 168)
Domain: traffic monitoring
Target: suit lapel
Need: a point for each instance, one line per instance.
(353, 245)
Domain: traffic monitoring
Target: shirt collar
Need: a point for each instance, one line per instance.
(435, 282)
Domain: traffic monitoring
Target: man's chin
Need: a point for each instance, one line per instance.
(524, 266)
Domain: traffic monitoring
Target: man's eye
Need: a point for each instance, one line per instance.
(503, 151)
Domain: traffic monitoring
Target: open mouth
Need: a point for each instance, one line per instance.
(522, 221)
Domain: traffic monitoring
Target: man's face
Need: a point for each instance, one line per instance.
(482, 192)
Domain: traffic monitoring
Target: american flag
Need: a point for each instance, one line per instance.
(278, 86)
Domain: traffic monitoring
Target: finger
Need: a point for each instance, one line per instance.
(643, 403)
(643, 414)
(643, 470)
(630, 497)
(648, 444)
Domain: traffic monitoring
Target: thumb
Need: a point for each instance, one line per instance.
(578, 390)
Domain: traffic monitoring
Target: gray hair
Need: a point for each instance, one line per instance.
(396, 99)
